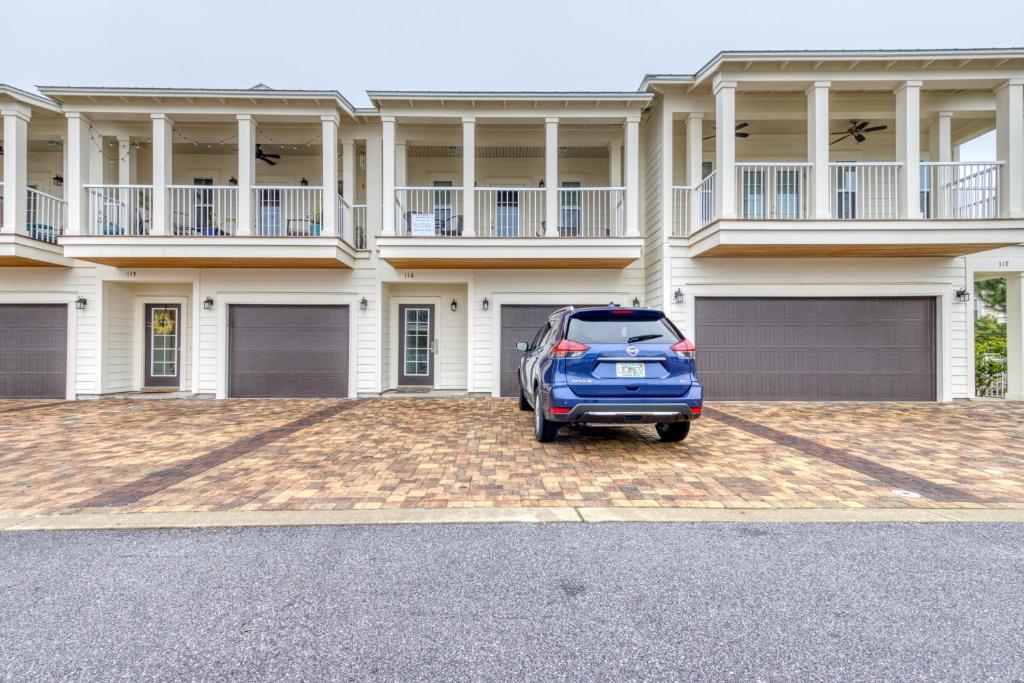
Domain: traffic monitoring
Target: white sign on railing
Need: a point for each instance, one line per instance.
(421, 225)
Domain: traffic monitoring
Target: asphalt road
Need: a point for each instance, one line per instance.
(543, 602)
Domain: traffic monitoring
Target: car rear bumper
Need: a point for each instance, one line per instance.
(626, 413)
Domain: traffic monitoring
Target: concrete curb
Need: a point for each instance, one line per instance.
(231, 519)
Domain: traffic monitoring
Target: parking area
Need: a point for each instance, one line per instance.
(185, 455)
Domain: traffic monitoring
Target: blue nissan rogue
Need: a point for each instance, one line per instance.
(609, 365)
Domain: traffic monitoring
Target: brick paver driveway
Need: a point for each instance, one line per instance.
(129, 456)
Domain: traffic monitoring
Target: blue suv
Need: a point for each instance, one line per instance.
(609, 365)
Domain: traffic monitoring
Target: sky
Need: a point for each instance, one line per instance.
(454, 44)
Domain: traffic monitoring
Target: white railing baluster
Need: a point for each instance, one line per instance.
(960, 189)
(359, 226)
(428, 211)
(705, 195)
(864, 190)
(119, 210)
(509, 211)
(203, 210)
(45, 219)
(288, 211)
(773, 191)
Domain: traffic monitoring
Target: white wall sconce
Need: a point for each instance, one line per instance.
(81, 302)
(678, 296)
(208, 303)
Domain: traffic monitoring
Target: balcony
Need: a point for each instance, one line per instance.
(510, 229)
(775, 216)
(34, 243)
(205, 228)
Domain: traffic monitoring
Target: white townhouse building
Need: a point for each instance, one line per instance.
(803, 216)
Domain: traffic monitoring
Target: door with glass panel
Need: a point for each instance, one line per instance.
(163, 345)
(506, 213)
(571, 219)
(416, 344)
(444, 223)
(202, 206)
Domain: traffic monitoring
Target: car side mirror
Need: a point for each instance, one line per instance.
(522, 347)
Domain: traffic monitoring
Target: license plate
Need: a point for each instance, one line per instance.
(630, 369)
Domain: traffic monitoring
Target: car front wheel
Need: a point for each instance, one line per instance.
(544, 430)
(673, 431)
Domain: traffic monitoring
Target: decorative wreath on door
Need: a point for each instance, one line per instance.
(163, 322)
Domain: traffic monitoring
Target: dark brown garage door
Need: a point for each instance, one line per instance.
(519, 323)
(33, 351)
(817, 349)
(288, 351)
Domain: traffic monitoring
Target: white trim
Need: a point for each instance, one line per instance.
(139, 340)
(941, 293)
(72, 348)
(396, 301)
(223, 300)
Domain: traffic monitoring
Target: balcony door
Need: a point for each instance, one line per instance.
(506, 213)
(571, 209)
(443, 208)
(845, 192)
(202, 205)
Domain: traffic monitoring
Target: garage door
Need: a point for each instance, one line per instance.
(817, 349)
(288, 351)
(33, 351)
(519, 323)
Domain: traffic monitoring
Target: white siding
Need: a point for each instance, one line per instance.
(652, 219)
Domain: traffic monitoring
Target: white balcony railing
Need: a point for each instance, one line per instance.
(45, 220)
(770, 191)
(287, 211)
(359, 226)
(864, 190)
(960, 189)
(681, 197)
(123, 210)
(510, 211)
(591, 212)
(705, 195)
(428, 211)
(203, 210)
(342, 221)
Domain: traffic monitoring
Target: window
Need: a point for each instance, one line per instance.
(926, 191)
(443, 206)
(753, 193)
(845, 192)
(621, 332)
(202, 203)
(270, 212)
(538, 338)
(506, 218)
(787, 194)
(571, 218)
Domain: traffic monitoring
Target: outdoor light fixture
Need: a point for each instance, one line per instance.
(233, 181)
(678, 296)
(304, 182)
(636, 302)
(962, 295)
(208, 303)
(363, 303)
(81, 302)
(486, 305)
(454, 305)
(58, 180)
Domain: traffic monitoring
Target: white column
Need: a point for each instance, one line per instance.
(77, 146)
(374, 189)
(246, 175)
(15, 216)
(1015, 336)
(401, 164)
(388, 174)
(1010, 147)
(817, 149)
(348, 179)
(725, 148)
(908, 148)
(162, 153)
(329, 203)
(126, 171)
(469, 177)
(615, 164)
(551, 177)
(694, 166)
(632, 176)
(940, 137)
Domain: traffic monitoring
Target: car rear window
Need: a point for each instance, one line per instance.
(622, 331)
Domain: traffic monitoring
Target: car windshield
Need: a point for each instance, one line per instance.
(621, 331)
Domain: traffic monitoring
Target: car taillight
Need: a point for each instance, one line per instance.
(569, 349)
(684, 348)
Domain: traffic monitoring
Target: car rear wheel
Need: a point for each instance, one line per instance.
(544, 430)
(673, 431)
(524, 404)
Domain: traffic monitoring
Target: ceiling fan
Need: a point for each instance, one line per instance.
(263, 156)
(856, 131)
(739, 131)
